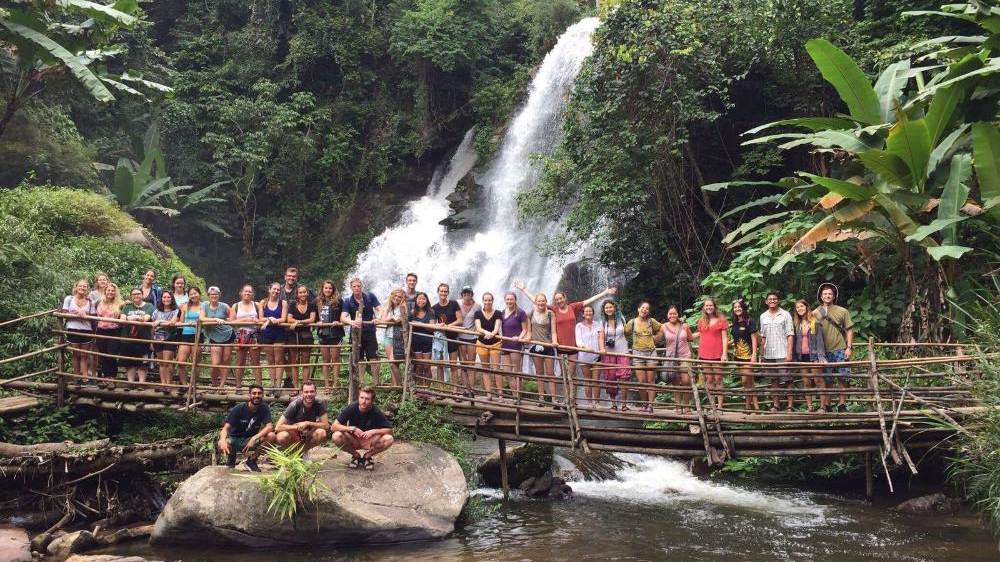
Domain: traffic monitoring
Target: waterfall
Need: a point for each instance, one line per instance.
(498, 250)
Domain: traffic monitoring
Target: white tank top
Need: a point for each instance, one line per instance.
(242, 316)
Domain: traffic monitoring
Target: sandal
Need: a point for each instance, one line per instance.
(369, 464)
(356, 462)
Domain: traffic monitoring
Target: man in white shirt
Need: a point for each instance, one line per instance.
(776, 333)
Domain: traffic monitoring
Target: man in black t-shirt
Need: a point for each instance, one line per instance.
(362, 426)
(304, 421)
(247, 429)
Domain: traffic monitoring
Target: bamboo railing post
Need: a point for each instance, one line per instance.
(195, 359)
(408, 380)
(502, 446)
(873, 383)
(696, 398)
(570, 391)
(61, 390)
(353, 370)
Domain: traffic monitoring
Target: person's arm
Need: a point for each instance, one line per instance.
(600, 342)
(283, 424)
(606, 292)
(345, 316)
(322, 422)
(850, 342)
(479, 328)
(459, 317)
(223, 439)
(284, 312)
(519, 285)
(525, 329)
(376, 431)
(753, 346)
(555, 334)
(268, 428)
(725, 345)
(629, 326)
(790, 337)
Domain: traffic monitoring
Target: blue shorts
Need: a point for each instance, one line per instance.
(836, 356)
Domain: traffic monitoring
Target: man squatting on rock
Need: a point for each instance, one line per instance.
(304, 421)
(362, 426)
(247, 429)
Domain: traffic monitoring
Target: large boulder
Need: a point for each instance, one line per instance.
(14, 545)
(415, 493)
(931, 503)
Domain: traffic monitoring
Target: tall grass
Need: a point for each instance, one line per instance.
(293, 485)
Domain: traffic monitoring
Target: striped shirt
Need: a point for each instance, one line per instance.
(775, 330)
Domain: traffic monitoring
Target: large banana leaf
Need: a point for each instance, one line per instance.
(942, 109)
(811, 123)
(846, 189)
(100, 12)
(889, 88)
(954, 196)
(911, 142)
(887, 165)
(755, 203)
(954, 141)
(88, 79)
(953, 252)
(986, 152)
(843, 73)
(123, 187)
(822, 230)
(750, 225)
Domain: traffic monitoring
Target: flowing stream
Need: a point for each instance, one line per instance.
(656, 510)
(490, 255)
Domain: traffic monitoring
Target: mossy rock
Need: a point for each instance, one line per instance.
(523, 462)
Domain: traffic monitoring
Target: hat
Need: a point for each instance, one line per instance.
(466, 289)
(836, 291)
(214, 288)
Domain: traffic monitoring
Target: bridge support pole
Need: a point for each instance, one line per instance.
(61, 389)
(869, 477)
(354, 369)
(504, 483)
(195, 360)
(408, 380)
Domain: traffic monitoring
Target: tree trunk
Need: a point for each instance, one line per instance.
(8, 115)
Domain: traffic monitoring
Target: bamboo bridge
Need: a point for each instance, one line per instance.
(902, 398)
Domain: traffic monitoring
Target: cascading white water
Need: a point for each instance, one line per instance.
(500, 250)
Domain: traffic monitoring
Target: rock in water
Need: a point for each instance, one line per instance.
(415, 493)
(931, 503)
(14, 545)
(523, 462)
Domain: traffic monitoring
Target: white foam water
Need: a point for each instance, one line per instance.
(661, 481)
(500, 250)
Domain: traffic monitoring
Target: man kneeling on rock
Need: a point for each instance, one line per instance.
(247, 429)
(304, 421)
(362, 427)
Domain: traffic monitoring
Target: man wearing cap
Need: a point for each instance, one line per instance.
(838, 336)
(467, 349)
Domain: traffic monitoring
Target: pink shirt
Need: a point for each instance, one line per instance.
(711, 338)
(676, 344)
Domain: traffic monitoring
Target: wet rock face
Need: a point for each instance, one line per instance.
(523, 462)
(415, 493)
(546, 486)
(467, 205)
(14, 544)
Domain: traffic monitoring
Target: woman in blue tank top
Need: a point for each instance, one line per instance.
(191, 312)
(272, 335)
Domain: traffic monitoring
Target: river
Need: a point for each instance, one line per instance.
(656, 510)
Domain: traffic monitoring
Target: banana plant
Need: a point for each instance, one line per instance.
(38, 46)
(921, 138)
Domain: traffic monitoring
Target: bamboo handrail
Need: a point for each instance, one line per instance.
(27, 317)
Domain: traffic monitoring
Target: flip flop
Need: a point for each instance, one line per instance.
(369, 464)
(356, 462)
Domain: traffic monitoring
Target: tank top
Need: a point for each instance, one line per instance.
(191, 315)
(469, 321)
(541, 326)
(243, 315)
(675, 343)
(106, 313)
(272, 313)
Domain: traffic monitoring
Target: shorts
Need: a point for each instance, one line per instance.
(79, 337)
(239, 442)
(369, 347)
(295, 435)
(830, 372)
(671, 374)
(299, 338)
(452, 347)
(232, 339)
(187, 338)
(246, 337)
(485, 349)
(136, 351)
(539, 349)
(365, 444)
(565, 351)
(782, 378)
(421, 343)
(509, 350)
(161, 347)
(269, 338)
(330, 340)
(645, 362)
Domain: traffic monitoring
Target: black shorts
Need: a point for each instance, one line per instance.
(268, 338)
(452, 347)
(187, 338)
(539, 349)
(565, 352)
(299, 338)
(161, 347)
(79, 337)
(369, 347)
(136, 351)
(330, 340)
(422, 343)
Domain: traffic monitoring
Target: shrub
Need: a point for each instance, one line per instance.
(65, 211)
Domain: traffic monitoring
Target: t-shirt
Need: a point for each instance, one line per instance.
(775, 329)
(289, 294)
(368, 304)
(295, 314)
(330, 313)
(833, 338)
(136, 314)
(372, 419)
(642, 333)
(69, 304)
(510, 327)
(711, 338)
(446, 313)
(296, 411)
(425, 317)
(541, 326)
(566, 322)
(742, 333)
(488, 324)
(243, 423)
(469, 321)
(217, 333)
(162, 331)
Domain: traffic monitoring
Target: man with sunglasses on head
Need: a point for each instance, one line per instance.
(247, 429)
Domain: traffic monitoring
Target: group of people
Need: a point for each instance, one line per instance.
(361, 429)
(448, 336)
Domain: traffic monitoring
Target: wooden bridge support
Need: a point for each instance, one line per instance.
(504, 483)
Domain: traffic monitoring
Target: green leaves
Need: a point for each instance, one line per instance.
(57, 52)
(846, 189)
(911, 142)
(846, 77)
(986, 152)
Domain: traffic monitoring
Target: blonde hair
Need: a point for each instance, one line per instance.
(114, 305)
(402, 299)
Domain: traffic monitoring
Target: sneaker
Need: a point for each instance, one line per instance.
(231, 460)
(252, 465)
(842, 407)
